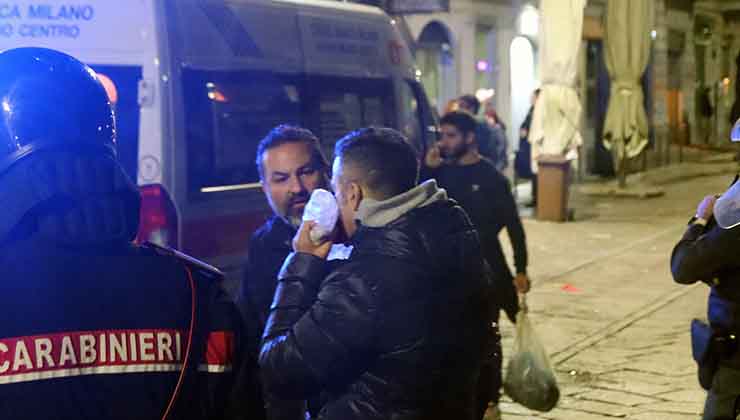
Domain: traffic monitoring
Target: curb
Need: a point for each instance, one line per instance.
(647, 184)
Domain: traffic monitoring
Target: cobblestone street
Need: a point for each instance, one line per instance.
(603, 302)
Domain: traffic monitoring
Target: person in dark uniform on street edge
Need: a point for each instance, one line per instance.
(707, 252)
(484, 193)
(291, 165)
(95, 326)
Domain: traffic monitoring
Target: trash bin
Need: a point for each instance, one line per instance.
(553, 173)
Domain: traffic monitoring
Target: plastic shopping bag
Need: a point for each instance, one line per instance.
(530, 380)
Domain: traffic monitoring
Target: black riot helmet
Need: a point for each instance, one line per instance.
(51, 100)
(59, 175)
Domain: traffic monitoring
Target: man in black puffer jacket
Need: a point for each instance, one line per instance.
(398, 331)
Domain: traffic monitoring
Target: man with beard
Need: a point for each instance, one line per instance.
(484, 193)
(398, 330)
(291, 166)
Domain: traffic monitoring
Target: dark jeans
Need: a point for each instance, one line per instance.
(490, 380)
(723, 399)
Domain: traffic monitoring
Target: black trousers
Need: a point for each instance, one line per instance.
(490, 378)
(723, 399)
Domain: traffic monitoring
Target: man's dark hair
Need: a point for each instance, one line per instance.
(283, 134)
(471, 102)
(387, 163)
(463, 121)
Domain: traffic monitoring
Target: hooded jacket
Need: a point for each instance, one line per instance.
(398, 331)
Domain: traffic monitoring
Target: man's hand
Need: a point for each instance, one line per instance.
(521, 282)
(433, 159)
(705, 210)
(302, 242)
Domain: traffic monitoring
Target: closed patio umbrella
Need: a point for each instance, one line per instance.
(627, 55)
(557, 113)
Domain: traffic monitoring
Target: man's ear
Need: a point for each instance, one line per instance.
(470, 138)
(355, 195)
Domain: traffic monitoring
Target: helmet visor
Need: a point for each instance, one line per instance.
(727, 208)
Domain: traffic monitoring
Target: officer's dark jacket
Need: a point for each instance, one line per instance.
(395, 333)
(101, 333)
(710, 255)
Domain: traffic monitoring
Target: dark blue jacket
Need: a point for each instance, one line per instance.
(102, 333)
(710, 255)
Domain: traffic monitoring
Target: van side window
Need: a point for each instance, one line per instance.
(338, 113)
(410, 115)
(340, 105)
(226, 115)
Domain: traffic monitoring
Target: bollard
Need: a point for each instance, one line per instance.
(553, 175)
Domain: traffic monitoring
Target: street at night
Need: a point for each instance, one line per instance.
(370, 209)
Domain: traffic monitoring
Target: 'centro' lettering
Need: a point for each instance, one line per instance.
(49, 31)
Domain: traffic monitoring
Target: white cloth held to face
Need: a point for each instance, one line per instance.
(321, 208)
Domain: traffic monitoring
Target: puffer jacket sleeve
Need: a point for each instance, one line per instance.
(317, 326)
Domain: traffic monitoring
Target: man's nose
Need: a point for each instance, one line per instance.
(297, 185)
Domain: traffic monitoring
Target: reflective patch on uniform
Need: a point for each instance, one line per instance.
(60, 355)
(98, 370)
(219, 353)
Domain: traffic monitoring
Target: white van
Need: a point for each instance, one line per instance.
(197, 83)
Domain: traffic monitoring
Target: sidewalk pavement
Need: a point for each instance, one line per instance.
(603, 302)
(652, 183)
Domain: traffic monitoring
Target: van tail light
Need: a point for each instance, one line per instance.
(158, 218)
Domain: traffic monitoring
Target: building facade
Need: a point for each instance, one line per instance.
(471, 50)
(489, 48)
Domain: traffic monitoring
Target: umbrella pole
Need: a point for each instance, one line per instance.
(622, 163)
